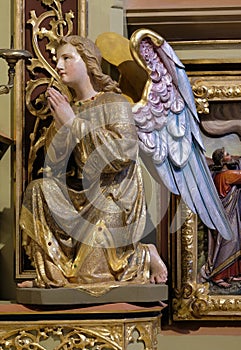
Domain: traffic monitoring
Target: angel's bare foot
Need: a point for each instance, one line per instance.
(221, 283)
(158, 268)
(25, 284)
(238, 278)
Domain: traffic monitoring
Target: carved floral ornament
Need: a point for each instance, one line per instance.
(114, 336)
(60, 24)
(206, 90)
(194, 302)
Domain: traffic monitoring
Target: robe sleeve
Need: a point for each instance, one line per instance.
(234, 177)
(107, 139)
(58, 147)
(225, 180)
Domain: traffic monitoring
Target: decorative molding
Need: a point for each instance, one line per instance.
(114, 334)
(221, 88)
(176, 20)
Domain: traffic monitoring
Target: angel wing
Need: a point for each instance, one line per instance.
(168, 129)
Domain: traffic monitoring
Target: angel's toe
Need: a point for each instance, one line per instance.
(158, 278)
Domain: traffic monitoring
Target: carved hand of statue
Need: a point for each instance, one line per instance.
(60, 107)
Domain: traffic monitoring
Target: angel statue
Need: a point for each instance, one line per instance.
(83, 222)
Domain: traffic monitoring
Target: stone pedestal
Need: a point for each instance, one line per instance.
(131, 293)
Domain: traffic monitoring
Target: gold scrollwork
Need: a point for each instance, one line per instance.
(201, 98)
(108, 334)
(191, 301)
(230, 304)
(63, 337)
(187, 234)
(204, 91)
(60, 24)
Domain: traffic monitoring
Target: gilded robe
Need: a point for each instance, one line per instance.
(83, 229)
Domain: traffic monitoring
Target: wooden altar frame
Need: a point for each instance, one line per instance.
(214, 72)
(19, 110)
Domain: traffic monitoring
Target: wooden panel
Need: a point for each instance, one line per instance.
(37, 23)
(186, 20)
(179, 4)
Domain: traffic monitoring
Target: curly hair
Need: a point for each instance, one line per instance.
(92, 57)
(217, 156)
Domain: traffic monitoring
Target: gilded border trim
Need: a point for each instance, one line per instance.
(191, 299)
(18, 112)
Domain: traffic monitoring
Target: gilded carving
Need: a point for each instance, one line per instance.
(109, 334)
(143, 332)
(212, 89)
(64, 337)
(59, 24)
(192, 299)
(187, 234)
(46, 27)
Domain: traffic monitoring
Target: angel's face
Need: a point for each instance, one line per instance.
(70, 66)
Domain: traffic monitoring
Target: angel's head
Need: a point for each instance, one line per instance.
(91, 56)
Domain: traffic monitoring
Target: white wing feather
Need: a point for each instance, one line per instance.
(168, 130)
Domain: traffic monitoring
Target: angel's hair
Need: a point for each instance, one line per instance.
(92, 57)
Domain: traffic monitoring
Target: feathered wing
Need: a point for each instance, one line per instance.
(168, 130)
